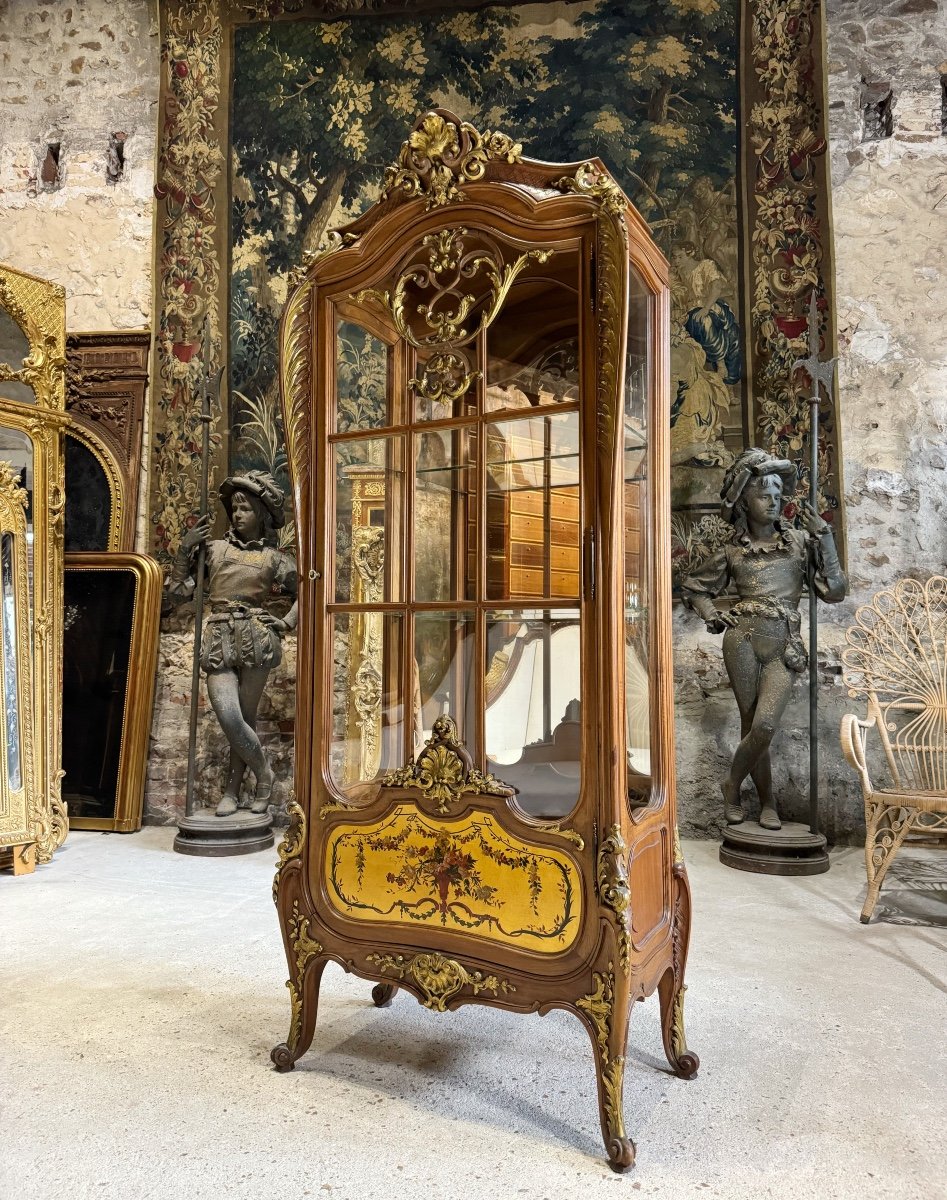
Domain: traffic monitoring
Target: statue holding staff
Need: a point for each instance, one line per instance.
(241, 643)
(770, 564)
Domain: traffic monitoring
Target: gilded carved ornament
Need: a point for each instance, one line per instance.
(293, 841)
(305, 949)
(445, 268)
(444, 770)
(613, 889)
(439, 978)
(599, 1007)
(443, 153)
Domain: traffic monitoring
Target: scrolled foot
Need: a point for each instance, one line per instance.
(382, 994)
(687, 1065)
(282, 1057)
(621, 1153)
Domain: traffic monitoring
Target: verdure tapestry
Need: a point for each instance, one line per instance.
(709, 112)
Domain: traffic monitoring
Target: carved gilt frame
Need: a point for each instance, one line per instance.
(106, 385)
(140, 683)
(39, 308)
(19, 815)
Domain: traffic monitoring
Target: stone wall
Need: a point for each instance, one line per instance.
(73, 75)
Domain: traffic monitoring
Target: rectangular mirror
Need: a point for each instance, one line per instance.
(110, 655)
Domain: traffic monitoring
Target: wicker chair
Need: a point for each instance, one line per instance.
(897, 658)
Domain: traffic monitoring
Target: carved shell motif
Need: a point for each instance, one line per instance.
(444, 770)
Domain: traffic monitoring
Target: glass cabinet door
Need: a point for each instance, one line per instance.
(638, 384)
(454, 456)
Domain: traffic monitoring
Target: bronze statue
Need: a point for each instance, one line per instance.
(241, 642)
(770, 564)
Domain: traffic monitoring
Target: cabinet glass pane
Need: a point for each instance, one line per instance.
(444, 516)
(11, 699)
(367, 732)
(362, 379)
(533, 693)
(444, 674)
(532, 506)
(637, 382)
(368, 536)
(533, 344)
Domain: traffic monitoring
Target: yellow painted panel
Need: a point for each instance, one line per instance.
(469, 876)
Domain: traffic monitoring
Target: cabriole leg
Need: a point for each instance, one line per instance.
(606, 1011)
(671, 989)
(306, 965)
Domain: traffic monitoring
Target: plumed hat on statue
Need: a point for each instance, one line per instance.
(752, 464)
(255, 483)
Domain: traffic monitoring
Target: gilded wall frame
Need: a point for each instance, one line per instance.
(133, 714)
(18, 798)
(38, 307)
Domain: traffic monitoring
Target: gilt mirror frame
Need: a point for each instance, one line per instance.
(39, 308)
(21, 822)
(137, 698)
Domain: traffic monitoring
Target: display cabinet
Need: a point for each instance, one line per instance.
(475, 392)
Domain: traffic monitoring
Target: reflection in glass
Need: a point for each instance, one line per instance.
(11, 699)
(16, 448)
(367, 732)
(533, 689)
(368, 478)
(533, 534)
(637, 382)
(444, 680)
(533, 345)
(14, 347)
(100, 607)
(362, 379)
(444, 516)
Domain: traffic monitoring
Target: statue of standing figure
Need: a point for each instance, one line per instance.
(770, 564)
(241, 641)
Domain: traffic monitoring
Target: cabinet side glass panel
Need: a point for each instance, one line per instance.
(636, 509)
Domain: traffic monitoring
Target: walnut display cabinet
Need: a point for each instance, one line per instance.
(476, 407)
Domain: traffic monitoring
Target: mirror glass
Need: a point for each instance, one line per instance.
(88, 499)
(99, 608)
(16, 448)
(14, 347)
(10, 675)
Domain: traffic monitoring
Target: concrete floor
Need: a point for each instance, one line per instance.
(143, 991)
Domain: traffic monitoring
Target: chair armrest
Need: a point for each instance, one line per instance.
(853, 736)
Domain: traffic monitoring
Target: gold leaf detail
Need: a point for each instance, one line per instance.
(444, 770)
(439, 978)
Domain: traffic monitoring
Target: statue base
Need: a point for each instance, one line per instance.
(792, 850)
(216, 837)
